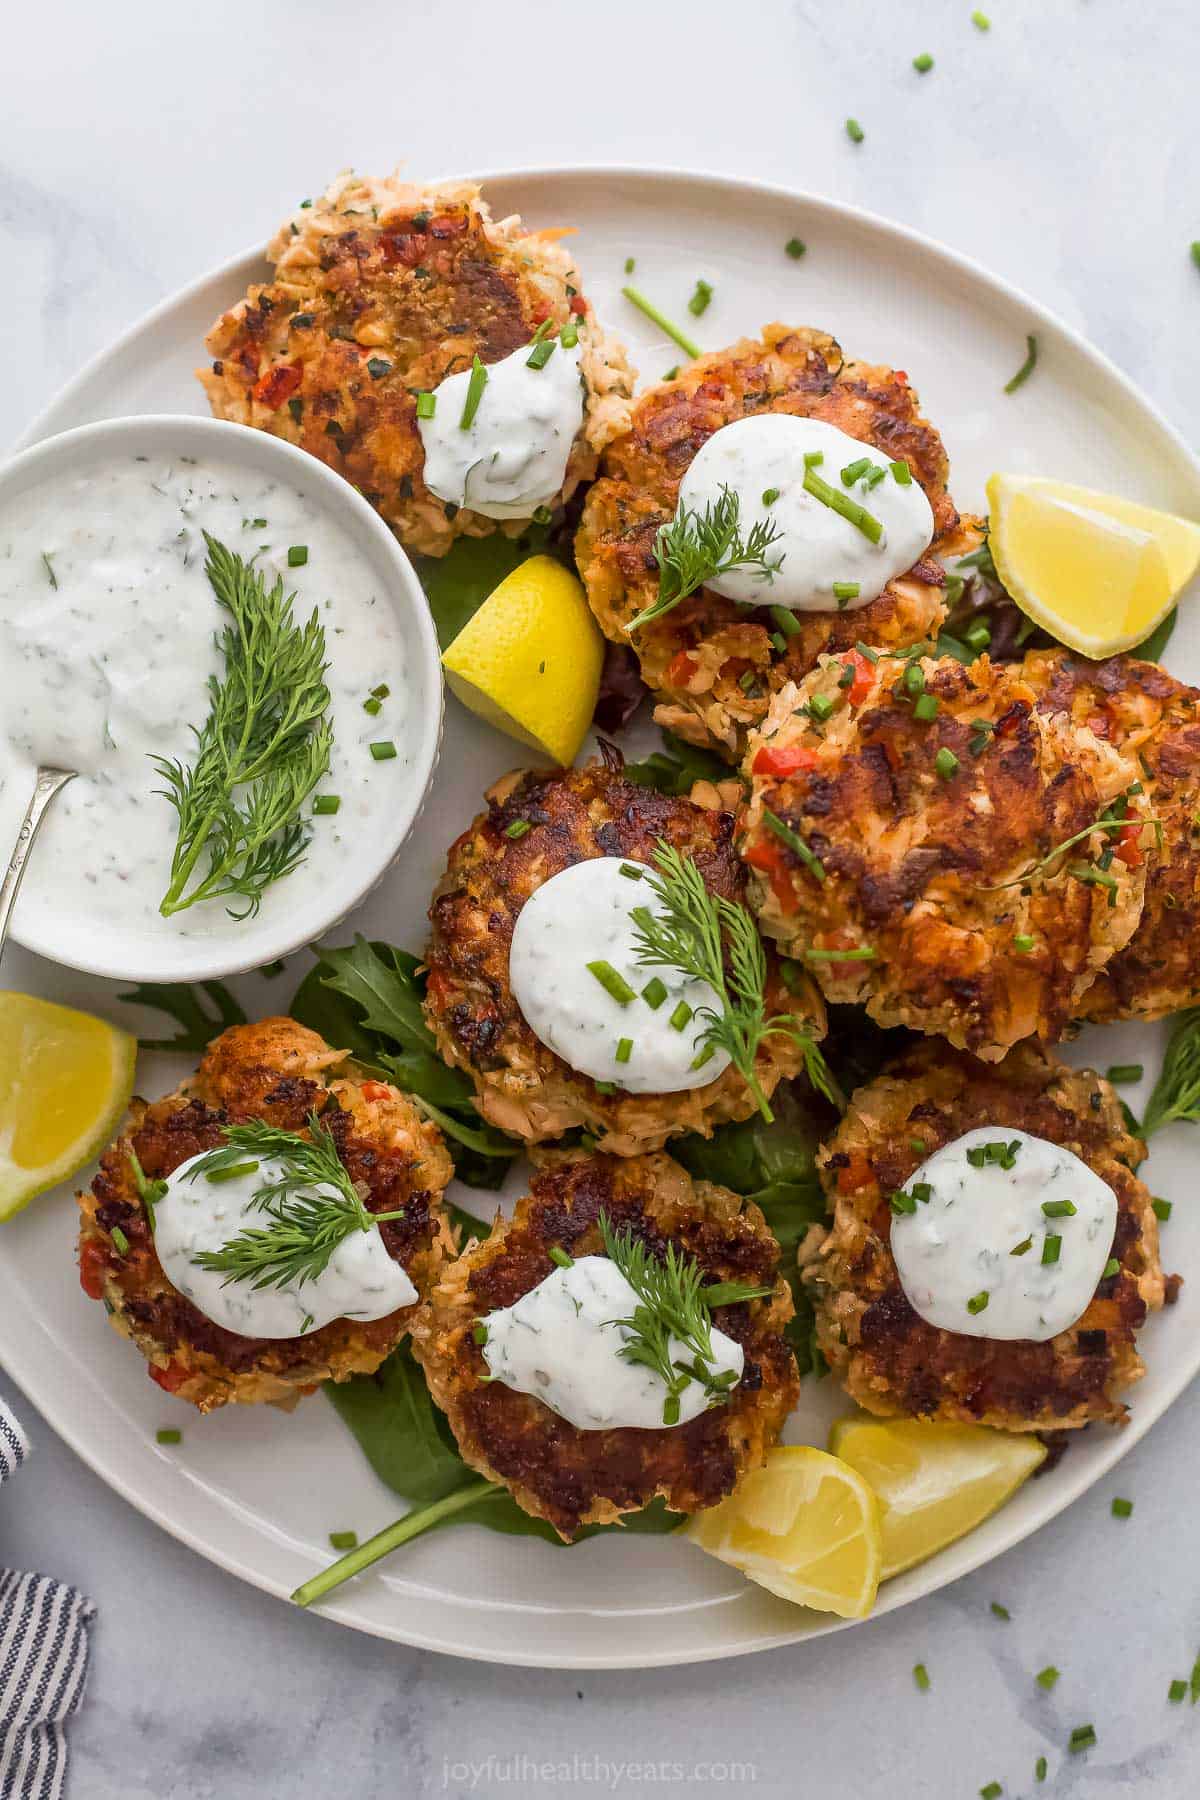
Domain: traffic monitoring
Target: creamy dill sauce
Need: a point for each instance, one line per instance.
(579, 916)
(109, 667)
(513, 456)
(966, 1239)
(360, 1281)
(562, 1343)
(755, 456)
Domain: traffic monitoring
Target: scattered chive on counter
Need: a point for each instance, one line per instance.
(1121, 1509)
(1081, 1738)
(700, 299)
(980, 21)
(674, 332)
(921, 1677)
(1039, 1769)
(1122, 1072)
(795, 248)
(1177, 1692)
(343, 1540)
(1047, 1677)
(854, 131)
(630, 265)
(325, 804)
(1161, 1210)
(297, 556)
(168, 1434)
(1027, 367)
(923, 63)
(992, 1791)
(383, 751)
(1000, 1612)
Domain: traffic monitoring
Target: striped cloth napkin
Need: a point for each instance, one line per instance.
(43, 1662)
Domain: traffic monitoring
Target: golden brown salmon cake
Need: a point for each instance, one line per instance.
(902, 831)
(522, 1086)
(280, 1072)
(711, 664)
(1142, 710)
(553, 1469)
(381, 289)
(891, 1361)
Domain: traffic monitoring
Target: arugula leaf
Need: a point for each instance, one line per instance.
(181, 1001)
(676, 767)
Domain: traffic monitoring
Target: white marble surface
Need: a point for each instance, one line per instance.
(139, 144)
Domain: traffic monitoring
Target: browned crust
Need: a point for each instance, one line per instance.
(521, 1085)
(278, 1071)
(910, 857)
(552, 1469)
(695, 658)
(891, 1361)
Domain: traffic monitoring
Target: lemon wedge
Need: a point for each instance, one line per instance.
(934, 1482)
(65, 1081)
(529, 660)
(1097, 571)
(805, 1525)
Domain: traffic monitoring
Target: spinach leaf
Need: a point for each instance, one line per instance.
(181, 1001)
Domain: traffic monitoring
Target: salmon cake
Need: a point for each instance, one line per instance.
(891, 1360)
(712, 664)
(381, 289)
(280, 1074)
(537, 827)
(560, 1471)
(935, 845)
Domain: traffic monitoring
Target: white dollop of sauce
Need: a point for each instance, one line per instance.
(756, 456)
(513, 456)
(562, 1343)
(582, 915)
(107, 645)
(360, 1280)
(965, 1239)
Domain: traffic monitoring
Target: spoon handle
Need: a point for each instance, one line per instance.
(48, 784)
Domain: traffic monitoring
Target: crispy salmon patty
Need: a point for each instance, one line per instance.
(279, 1072)
(891, 1361)
(553, 1469)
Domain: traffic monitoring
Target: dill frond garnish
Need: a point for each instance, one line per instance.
(715, 940)
(262, 749)
(696, 547)
(673, 1306)
(1177, 1091)
(306, 1222)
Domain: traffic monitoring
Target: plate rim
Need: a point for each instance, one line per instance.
(44, 1394)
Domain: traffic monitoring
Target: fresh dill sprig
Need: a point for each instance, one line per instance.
(307, 1221)
(259, 754)
(1177, 1091)
(673, 1305)
(715, 940)
(696, 547)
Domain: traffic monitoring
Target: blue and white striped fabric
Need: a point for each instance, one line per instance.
(43, 1662)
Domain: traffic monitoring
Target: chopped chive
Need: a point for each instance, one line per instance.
(1122, 1072)
(479, 1332)
(813, 459)
(517, 829)
(654, 993)
(918, 1144)
(913, 679)
(926, 708)
(1194, 1681)
(1177, 1692)
(1121, 1509)
(874, 475)
(872, 656)
(1161, 1209)
(1000, 1612)
(119, 1240)
(1082, 1738)
(558, 1255)
(786, 620)
(1027, 367)
(1112, 1267)
(326, 804)
(629, 265)
(1039, 1769)
(852, 471)
(426, 405)
(795, 843)
(1196, 253)
(1023, 943)
(992, 1791)
(854, 131)
(343, 1540)
(168, 1434)
(541, 353)
(1021, 1248)
(651, 311)
(923, 63)
(921, 1677)
(820, 707)
(568, 337)
(700, 299)
(475, 387)
(770, 496)
(680, 1016)
(631, 871)
(382, 691)
(606, 1087)
(372, 705)
(1051, 1246)
(865, 953)
(850, 510)
(795, 248)
(778, 643)
(945, 762)
(612, 981)
(901, 473)
(384, 751)
(1059, 1209)
(980, 21)
(231, 1173)
(846, 590)
(624, 1050)
(902, 1203)
(1048, 1677)
(297, 556)
(672, 372)
(746, 681)
(702, 1057)
(978, 1302)
(48, 565)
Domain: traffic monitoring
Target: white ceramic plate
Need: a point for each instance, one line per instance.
(257, 1492)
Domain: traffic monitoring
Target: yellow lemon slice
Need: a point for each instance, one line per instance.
(806, 1526)
(65, 1081)
(1097, 571)
(529, 660)
(934, 1482)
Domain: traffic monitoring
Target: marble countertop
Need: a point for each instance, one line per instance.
(140, 145)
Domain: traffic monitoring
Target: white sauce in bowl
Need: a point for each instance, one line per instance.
(765, 455)
(562, 1343)
(360, 1281)
(513, 456)
(965, 1240)
(580, 916)
(107, 641)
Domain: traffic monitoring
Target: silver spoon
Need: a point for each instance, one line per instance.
(49, 783)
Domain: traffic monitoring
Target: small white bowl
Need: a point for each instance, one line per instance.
(279, 930)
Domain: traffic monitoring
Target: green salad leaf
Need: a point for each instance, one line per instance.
(457, 584)
(201, 1009)
(676, 767)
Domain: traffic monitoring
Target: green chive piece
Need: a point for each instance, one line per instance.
(614, 983)
(654, 993)
(978, 1302)
(558, 1255)
(1059, 1209)
(902, 1203)
(850, 510)
(1177, 1692)
(1162, 1209)
(1048, 1677)
(1082, 1738)
(1121, 1509)
(854, 131)
(945, 762)
(1039, 1769)
(372, 705)
(426, 405)
(820, 707)
(918, 1144)
(1023, 943)
(846, 590)
(852, 471)
(624, 1050)
(1051, 1246)
(978, 637)
(901, 474)
(980, 21)
(381, 692)
(704, 1056)
(568, 337)
(700, 299)
(541, 353)
(1020, 1249)
(48, 565)
(1194, 1682)
(795, 248)
(232, 1173)
(794, 842)
(1122, 1072)
(343, 1540)
(479, 1332)
(168, 1434)
(1112, 1267)
(921, 1677)
(770, 496)
(383, 752)
(778, 643)
(475, 387)
(992, 1791)
(874, 475)
(518, 829)
(119, 1241)
(672, 372)
(1000, 1612)
(1027, 367)
(680, 1016)
(1196, 253)
(913, 679)
(297, 556)
(326, 804)
(746, 681)
(671, 1410)
(631, 871)
(923, 63)
(864, 953)
(686, 344)
(813, 459)
(630, 265)
(786, 620)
